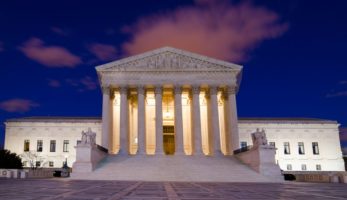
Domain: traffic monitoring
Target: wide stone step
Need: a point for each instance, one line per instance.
(173, 168)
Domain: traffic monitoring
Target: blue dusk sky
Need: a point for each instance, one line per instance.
(293, 52)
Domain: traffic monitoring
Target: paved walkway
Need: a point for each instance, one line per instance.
(98, 190)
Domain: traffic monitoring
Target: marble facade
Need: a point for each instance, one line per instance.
(169, 87)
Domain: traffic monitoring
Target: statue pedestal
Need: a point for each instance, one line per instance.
(87, 157)
(262, 160)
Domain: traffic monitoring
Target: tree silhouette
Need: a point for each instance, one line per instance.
(10, 160)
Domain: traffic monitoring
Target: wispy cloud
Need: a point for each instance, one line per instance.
(59, 31)
(49, 56)
(215, 28)
(86, 83)
(103, 52)
(54, 83)
(18, 105)
(337, 94)
(340, 90)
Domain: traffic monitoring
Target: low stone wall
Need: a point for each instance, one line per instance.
(13, 173)
(318, 177)
(28, 173)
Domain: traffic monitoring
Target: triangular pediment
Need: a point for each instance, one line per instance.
(168, 59)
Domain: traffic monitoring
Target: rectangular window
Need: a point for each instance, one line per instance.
(25, 163)
(26, 145)
(289, 167)
(66, 146)
(315, 148)
(243, 144)
(51, 164)
(39, 145)
(301, 148)
(52, 146)
(318, 167)
(286, 148)
(303, 167)
(38, 163)
(272, 144)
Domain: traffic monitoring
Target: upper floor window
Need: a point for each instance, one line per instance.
(315, 148)
(51, 164)
(52, 146)
(39, 145)
(301, 148)
(66, 146)
(286, 148)
(26, 145)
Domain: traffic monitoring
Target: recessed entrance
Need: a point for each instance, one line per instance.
(169, 140)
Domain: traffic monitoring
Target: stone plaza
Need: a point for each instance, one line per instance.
(99, 190)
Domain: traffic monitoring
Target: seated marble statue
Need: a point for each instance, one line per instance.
(88, 137)
(259, 138)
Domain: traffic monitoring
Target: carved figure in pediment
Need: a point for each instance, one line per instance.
(259, 138)
(151, 63)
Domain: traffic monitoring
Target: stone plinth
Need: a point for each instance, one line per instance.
(87, 157)
(262, 160)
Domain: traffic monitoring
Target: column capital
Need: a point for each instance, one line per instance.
(141, 89)
(213, 90)
(123, 89)
(195, 89)
(178, 89)
(106, 90)
(158, 90)
(231, 89)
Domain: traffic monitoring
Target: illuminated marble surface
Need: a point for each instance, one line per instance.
(72, 189)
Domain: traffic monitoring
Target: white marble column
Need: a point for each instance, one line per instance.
(232, 120)
(141, 127)
(196, 121)
(158, 120)
(124, 126)
(178, 121)
(106, 118)
(214, 119)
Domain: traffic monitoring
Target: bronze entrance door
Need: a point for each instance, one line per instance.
(169, 140)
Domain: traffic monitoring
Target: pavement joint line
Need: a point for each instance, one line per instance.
(170, 192)
(125, 191)
(318, 195)
(67, 194)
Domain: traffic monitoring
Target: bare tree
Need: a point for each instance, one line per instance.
(34, 159)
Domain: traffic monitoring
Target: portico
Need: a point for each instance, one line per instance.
(169, 101)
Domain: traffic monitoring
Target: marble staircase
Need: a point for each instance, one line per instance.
(173, 168)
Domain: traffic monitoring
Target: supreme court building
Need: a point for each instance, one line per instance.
(169, 101)
(176, 103)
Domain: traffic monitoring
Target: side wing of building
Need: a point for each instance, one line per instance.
(50, 140)
(302, 144)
